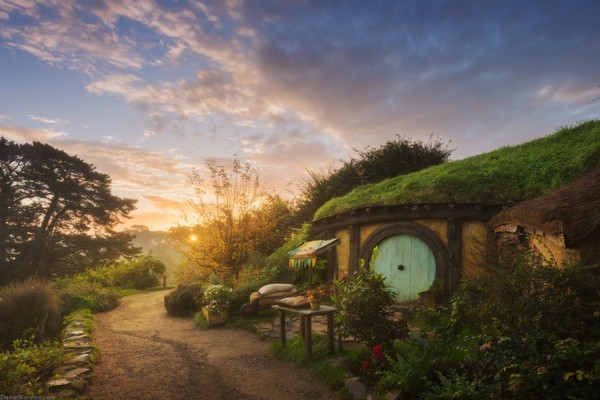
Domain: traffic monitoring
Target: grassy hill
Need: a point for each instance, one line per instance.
(512, 173)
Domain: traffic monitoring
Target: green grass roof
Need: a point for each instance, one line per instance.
(512, 173)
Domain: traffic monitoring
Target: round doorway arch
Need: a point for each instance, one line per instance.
(410, 256)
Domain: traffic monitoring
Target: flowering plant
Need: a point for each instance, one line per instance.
(372, 363)
(216, 298)
(315, 294)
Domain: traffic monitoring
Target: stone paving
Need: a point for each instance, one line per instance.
(72, 376)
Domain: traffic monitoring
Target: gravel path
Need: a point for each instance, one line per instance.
(146, 354)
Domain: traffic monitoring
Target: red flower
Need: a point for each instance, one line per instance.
(377, 352)
(365, 364)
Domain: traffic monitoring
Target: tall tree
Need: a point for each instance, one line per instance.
(55, 203)
(13, 192)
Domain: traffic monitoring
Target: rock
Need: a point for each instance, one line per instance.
(74, 338)
(75, 373)
(73, 332)
(356, 389)
(56, 383)
(263, 327)
(78, 383)
(395, 395)
(81, 359)
(78, 348)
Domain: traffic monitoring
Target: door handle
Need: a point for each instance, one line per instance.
(401, 267)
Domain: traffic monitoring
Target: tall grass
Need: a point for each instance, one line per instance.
(30, 306)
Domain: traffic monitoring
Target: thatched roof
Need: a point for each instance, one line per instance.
(571, 211)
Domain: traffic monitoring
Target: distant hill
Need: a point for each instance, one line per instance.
(511, 173)
(158, 244)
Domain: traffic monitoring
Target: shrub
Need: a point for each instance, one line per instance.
(138, 273)
(240, 296)
(85, 291)
(549, 343)
(534, 330)
(217, 298)
(363, 308)
(29, 305)
(184, 300)
(22, 370)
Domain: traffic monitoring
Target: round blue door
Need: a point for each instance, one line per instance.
(408, 265)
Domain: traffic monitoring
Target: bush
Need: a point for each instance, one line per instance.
(240, 296)
(217, 298)
(363, 309)
(29, 305)
(85, 291)
(22, 370)
(184, 300)
(525, 329)
(138, 273)
(549, 342)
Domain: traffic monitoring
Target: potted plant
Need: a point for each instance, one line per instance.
(435, 295)
(216, 304)
(315, 297)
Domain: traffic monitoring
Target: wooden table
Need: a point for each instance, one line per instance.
(306, 325)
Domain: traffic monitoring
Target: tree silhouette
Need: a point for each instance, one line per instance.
(57, 210)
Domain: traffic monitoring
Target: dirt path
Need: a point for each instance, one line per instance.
(145, 354)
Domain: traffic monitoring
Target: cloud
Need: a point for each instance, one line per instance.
(294, 85)
(72, 42)
(134, 172)
(25, 134)
(119, 84)
(164, 203)
(57, 122)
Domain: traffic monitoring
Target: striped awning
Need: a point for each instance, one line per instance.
(306, 255)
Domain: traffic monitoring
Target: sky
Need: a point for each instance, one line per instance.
(146, 91)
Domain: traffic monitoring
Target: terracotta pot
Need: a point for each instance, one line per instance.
(214, 319)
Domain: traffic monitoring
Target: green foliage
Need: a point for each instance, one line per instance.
(453, 386)
(545, 337)
(138, 273)
(277, 264)
(240, 296)
(264, 270)
(363, 309)
(521, 329)
(396, 157)
(217, 298)
(184, 300)
(412, 368)
(295, 350)
(31, 305)
(507, 174)
(24, 370)
(326, 368)
(85, 291)
(200, 320)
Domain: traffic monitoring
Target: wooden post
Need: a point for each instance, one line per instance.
(282, 326)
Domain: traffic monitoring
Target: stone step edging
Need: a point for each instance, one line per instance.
(70, 379)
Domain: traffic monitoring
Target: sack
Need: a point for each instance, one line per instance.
(274, 288)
